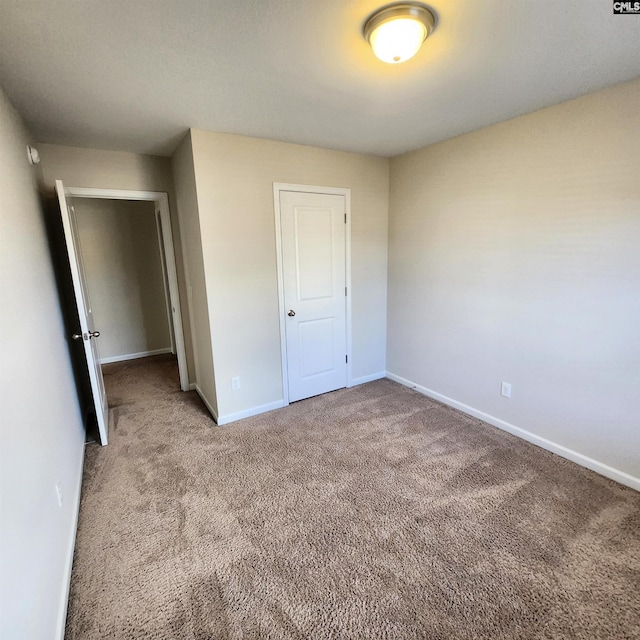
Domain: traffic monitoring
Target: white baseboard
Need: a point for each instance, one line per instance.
(248, 413)
(599, 467)
(192, 386)
(134, 356)
(279, 404)
(369, 378)
(64, 598)
(209, 406)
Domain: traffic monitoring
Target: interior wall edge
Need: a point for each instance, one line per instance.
(206, 401)
(64, 602)
(185, 264)
(569, 454)
(208, 265)
(183, 169)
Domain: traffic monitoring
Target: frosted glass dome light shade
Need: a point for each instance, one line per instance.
(396, 33)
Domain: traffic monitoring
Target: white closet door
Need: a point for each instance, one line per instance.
(314, 273)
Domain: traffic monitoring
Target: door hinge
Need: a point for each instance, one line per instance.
(346, 358)
(345, 291)
(345, 218)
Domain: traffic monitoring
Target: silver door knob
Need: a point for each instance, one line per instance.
(77, 336)
(94, 334)
(291, 313)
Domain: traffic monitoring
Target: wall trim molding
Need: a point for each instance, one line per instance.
(192, 386)
(279, 404)
(135, 356)
(584, 461)
(64, 597)
(354, 382)
(207, 404)
(248, 413)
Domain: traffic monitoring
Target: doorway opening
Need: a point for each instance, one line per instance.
(123, 266)
(126, 278)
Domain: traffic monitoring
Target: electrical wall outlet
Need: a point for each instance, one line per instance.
(59, 493)
(235, 383)
(505, 389)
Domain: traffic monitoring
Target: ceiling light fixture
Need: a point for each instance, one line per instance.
(397, 32)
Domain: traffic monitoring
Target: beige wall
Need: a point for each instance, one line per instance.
(234, 177)
(41, 431)
(98, 169)
(184, 176)
(123, 269)
(515, 256)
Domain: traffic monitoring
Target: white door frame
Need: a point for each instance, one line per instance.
(161, 201)
(305, 188)
(165, 280)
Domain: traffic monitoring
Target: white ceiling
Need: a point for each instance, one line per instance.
(135, 74)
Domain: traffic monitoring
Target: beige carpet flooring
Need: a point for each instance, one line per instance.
(371, 512)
